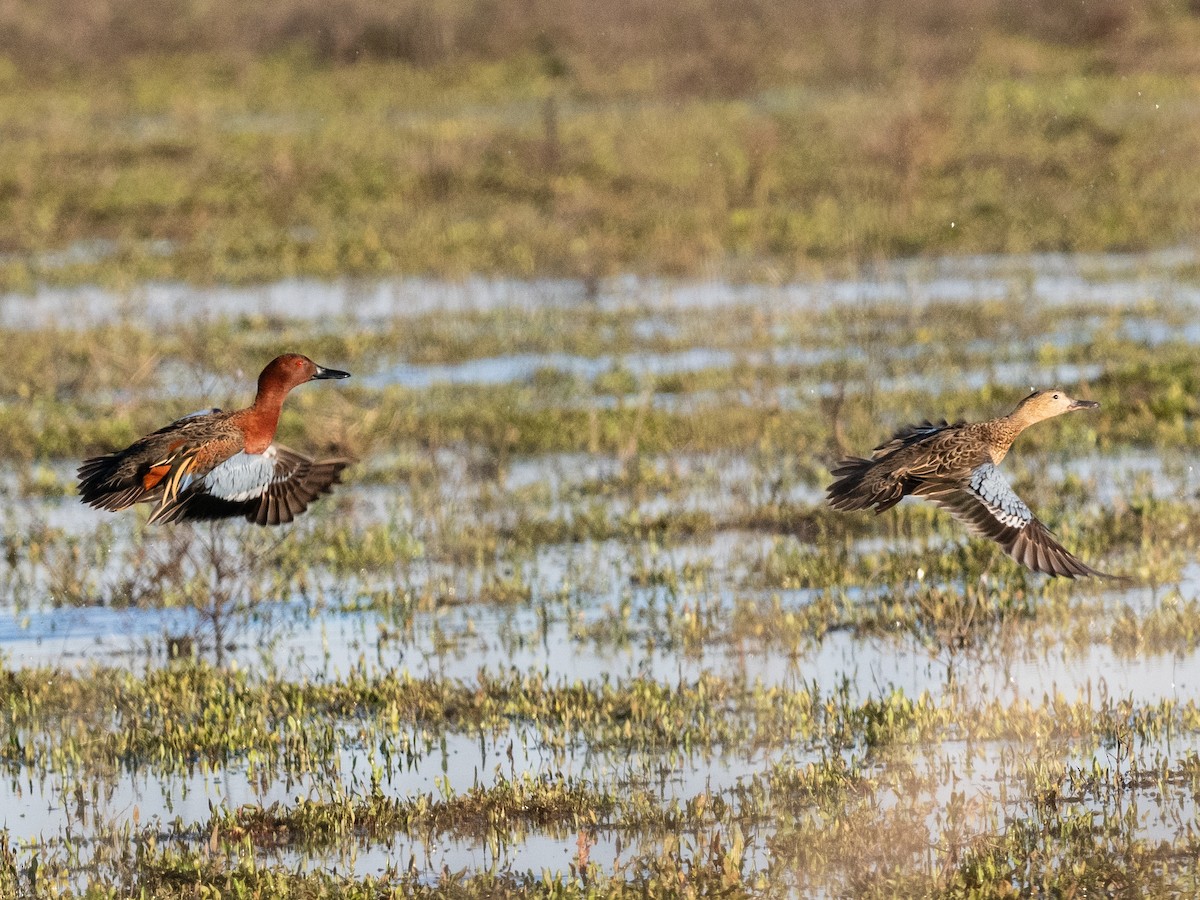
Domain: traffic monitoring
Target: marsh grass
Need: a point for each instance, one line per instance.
(556, 152)
(600, 608)
(610, 615)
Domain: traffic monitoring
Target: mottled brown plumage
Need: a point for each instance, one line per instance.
(954, 466)
(218, 464)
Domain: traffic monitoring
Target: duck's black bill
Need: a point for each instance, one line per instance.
(323, 372)
(1085, 404)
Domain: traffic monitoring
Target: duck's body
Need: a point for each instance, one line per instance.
(955, 466)
(216, 464)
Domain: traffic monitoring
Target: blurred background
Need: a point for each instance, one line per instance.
(224, 141)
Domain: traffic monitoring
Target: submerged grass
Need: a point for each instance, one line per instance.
(832, 820)
(589, 629)
(578, 624)
(70, 394)
(178, 719)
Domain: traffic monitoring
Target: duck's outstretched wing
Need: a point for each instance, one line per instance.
(158, 466)
(990, 508)
(268, 488)
(911, 434)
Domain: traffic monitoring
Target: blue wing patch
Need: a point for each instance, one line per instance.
(1000, 500)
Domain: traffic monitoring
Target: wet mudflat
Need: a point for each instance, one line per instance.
(579, 622)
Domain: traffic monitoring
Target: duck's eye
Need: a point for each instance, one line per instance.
(1056, 396)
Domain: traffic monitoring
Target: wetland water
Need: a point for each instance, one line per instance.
(579, 612)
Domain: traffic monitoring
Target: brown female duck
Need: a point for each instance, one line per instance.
(955, 466)
(217, 465)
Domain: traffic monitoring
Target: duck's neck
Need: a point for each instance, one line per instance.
(260, 420)
(1002, 432)
(1021, 418)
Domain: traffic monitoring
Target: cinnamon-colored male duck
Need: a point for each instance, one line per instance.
(955, 466)
(217, 465)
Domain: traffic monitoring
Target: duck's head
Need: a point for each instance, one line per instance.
(1049, 403)
(285, 372)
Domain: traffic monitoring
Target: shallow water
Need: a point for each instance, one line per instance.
(296, 643)
(1117, 280)
(610, 611)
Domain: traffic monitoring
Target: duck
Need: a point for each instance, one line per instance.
(219, 464)
(956, 466)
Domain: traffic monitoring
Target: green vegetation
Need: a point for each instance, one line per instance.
(578, 624)
(526, 138)
(591, 631)
(60, 388)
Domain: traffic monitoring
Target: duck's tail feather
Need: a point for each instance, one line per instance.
(860, 483)
(102, 486)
